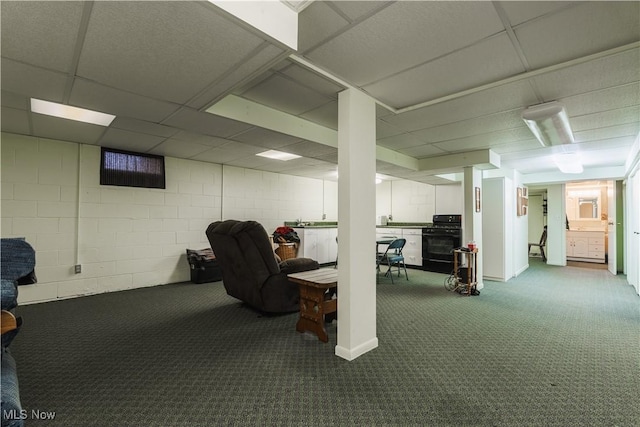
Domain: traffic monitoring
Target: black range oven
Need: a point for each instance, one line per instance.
(438, 242)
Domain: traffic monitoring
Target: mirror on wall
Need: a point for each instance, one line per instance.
(586, 204)
(588, 207)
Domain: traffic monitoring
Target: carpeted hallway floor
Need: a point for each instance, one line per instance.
(553, 347)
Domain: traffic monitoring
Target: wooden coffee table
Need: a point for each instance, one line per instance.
(313, 305)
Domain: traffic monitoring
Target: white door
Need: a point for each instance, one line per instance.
(633, 242)
(611, 227)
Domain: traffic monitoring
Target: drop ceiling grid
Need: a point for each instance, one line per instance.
(461, 70)
(33, 81)
(605, 72)
(94, 96)
(520, 12)
(65, 130)
(140, 126)
(127, 140)
(41, 33)
(376, 48)
(316, 23)
(313, 81)
(621, 116)
(286, 95)
(476, 126)
(501, 98)
(205, 123)
(585, 29)
(265, 138)
(179, 48)
(486, 140)
(325, 115)
(236, 76)
(603, 100)
(15, 121)
(617, 131)
(402, 141)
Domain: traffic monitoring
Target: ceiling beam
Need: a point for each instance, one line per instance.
(241, 109)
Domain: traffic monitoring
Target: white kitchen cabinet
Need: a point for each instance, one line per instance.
(384, 233)
(413, 248)
(586, 246)
(318, 244)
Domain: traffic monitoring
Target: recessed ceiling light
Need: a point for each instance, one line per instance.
(71, 113)
(278, 155)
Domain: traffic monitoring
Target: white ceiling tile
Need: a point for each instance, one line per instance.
(26, 24)
(397, 142)
(450, 74)
(523, 11)
(265, 138)
(393, 40)
(421, 151)
(177, 48)
(358, 9)
(31, 81)
(14, 100)
(227, 153)
(603, 100)
(180, 149)
(310, 149)
(501, 98)
(591, 27)
(196, 138)
(610, 71)
(487, 140)
(325, 115)
(15, 121)
(240, 74)
(105, 99)
(125, 140)
(384, 129)
(286, 95)
(206, 123)
(310, 79)
(606, 119)
(605, 133)
(316, 23)
(65, 130)
(140, 126)
(474, 126)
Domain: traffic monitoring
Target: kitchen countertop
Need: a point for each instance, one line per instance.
(328, 224)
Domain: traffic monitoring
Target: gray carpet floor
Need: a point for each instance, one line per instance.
(556, 346)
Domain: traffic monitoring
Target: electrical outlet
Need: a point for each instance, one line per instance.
(78, 268)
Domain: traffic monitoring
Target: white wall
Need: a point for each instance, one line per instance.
(131, 237)
(411, 201)
(127, 237)
(449, 199)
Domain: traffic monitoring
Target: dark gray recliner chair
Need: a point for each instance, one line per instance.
(250, 271)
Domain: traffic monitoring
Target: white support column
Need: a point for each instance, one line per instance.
(356, 225)
(472, 220)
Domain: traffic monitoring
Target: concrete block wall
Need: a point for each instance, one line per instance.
(122, 237)
(270, 198)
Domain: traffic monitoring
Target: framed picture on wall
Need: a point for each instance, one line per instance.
(522, 201)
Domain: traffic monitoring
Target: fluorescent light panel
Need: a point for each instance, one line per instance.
(71, 113)
(568, 163)
(278, 155)
(549, 123)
